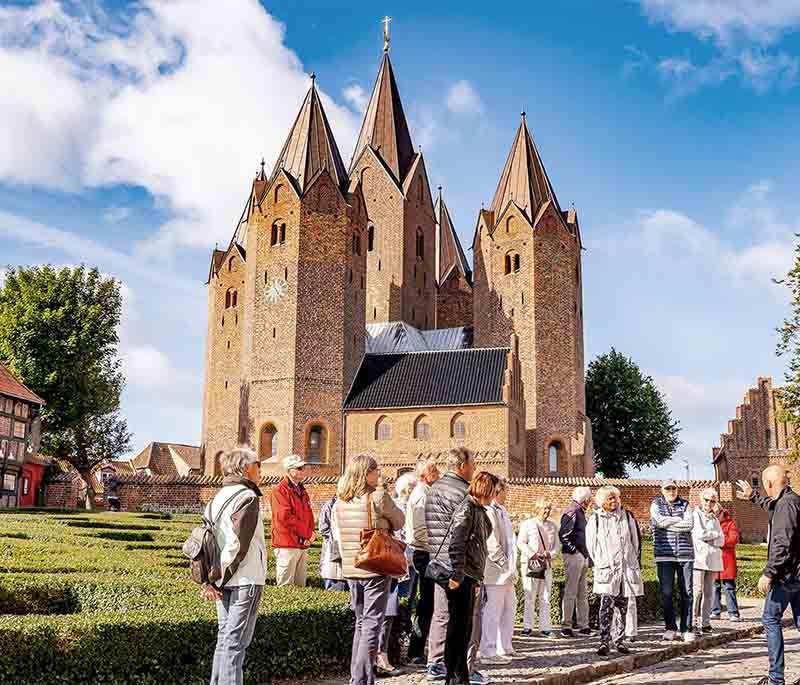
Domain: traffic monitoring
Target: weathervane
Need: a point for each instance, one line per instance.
(386, 21)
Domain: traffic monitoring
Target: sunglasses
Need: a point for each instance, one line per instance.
(670, 487)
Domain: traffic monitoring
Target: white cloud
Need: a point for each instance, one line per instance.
(763, 21)
(177, 97)
(462, 98)
(146, 366)
(356, 96)
(114, 215)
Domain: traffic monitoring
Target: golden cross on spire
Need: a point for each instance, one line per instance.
(386, 21)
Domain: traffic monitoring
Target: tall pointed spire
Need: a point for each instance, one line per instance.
(449, 253)
(524, 179)
(311, 147)
(385, 128)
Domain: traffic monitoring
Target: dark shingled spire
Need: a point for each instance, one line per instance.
(311, 147)
(449, 253)
(524, 179)
(385, 128)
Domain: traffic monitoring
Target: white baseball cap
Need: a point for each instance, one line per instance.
(293, 462)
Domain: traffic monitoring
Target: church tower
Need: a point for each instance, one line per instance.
(303, 249)
(453, 273)
(401, 255)
(527, 255)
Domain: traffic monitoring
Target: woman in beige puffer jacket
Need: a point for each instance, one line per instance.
(358, 489)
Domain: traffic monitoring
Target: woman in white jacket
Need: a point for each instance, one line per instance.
(538, 536)
(707, 539)
(612, 538)
(500, 577)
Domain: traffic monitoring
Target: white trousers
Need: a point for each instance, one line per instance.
(498, 620)
(290, 566)
(631, 620)
(537, 596)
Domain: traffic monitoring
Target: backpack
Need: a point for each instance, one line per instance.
(202, 549)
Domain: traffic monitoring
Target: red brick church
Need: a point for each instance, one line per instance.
(344, 314)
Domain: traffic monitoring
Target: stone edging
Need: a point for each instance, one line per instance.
(629, 664)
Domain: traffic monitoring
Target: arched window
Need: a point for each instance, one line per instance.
(283, 234)
(230, 298)
(509, 224)
(508, 263)
(268, 442)
(278, 192)
(516, 262)
(273, 239)
(552, 457)
(422, 428)
(317, 444)
(356, 244)
(235, 298)
(370, 238)
(458, 427)
(420, 244)
(383, 429)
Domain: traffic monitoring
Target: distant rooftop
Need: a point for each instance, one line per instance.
(398, 337)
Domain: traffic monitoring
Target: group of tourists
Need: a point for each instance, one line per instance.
(464, 560)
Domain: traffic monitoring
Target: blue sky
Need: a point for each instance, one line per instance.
(130, 133)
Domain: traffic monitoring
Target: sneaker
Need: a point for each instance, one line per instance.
(546, 633)
(527, 631)
(392, 672)
(567, 632)
(707, 630)
(478, 678)
(496, 660)
(623, 649)
(585, 632)
(689, 636)
(716, 617)
(733, 618)
(437, 672)
(669, 635)
(603, 651)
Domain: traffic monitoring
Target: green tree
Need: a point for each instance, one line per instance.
(632, 425)
(58, 333)
(789, 345)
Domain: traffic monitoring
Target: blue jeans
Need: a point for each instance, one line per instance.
(730, 598)
(236, 616)
(780, 596)
(667, 570)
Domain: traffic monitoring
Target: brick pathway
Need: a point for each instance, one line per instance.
(737, 663)
(550, 661)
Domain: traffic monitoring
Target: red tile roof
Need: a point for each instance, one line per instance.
(9, 385)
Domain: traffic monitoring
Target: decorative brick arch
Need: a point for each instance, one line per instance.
(563, 456)
(279, 190)
(318, 432)
(458, 426)
(268, 441)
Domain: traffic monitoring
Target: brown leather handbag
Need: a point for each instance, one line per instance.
(380, 552)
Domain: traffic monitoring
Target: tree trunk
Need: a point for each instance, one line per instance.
(87, 478)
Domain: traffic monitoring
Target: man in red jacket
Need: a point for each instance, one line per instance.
(292, 524)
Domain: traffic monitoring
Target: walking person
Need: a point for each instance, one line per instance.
(358, 489)
(707, 539)
(780, 579)
(727, 577)
(444, 496)
(672, 521)
(538, 537)
(330, 558)
(292, 524)
(613, 541)
(572, 535)
(468, 553)
(500, 579)
(239, 533)
(417, 537)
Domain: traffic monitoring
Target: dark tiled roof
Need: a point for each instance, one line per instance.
(385, 128)
(9, 385)
(429, 379)
(160, 457)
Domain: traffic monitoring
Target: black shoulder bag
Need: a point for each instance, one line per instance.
(440, 571)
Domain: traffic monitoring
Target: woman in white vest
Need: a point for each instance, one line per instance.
(500, 577)
(612, 538)
(538, 537)
(239, 531)
(707, 539)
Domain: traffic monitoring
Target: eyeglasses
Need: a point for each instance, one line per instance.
(709, 501)
(670, 487)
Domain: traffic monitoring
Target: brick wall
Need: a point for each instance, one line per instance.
(159, 493)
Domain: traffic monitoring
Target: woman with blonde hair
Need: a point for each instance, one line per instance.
(708, 540)
(361, 497)
(538, 538)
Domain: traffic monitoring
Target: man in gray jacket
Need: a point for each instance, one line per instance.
(445, 495)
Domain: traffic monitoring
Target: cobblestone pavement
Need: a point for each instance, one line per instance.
(538, 657)
(742, 662)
